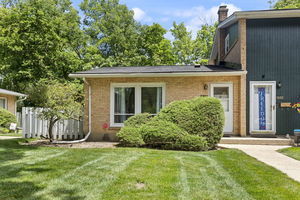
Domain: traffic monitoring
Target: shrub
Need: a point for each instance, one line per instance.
(190, 143)
(159, 133)
(6, 118)
(203, 116)
(130, 137)
(138, 120)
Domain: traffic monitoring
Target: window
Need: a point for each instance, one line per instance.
(130, 99)
(3, 103)
(227, 44)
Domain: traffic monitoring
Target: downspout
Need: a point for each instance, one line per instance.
(90, 120)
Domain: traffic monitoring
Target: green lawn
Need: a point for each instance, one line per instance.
(12, 134)
(293, 152)
(124, 173)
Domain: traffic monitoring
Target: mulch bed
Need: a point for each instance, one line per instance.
(47, 143)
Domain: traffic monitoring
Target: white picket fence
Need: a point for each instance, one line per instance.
(33, 126)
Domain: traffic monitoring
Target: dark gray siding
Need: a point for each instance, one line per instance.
(273, 54)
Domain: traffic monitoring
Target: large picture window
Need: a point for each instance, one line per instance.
(130, 99)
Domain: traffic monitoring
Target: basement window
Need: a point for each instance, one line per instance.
(129, 99)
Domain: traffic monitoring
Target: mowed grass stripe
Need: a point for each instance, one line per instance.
(91, 177)
(154, 175)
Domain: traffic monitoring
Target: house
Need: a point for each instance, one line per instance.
(252, 70)
(9, 99)
(266, 44)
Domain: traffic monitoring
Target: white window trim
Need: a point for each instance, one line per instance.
(5, 102)
(137, 87)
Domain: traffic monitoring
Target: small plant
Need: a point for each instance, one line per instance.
(6, 118)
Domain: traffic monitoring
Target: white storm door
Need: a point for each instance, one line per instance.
(223, 91)
(263, 107)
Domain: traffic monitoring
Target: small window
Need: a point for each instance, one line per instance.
(3, 103)
(130, 99)
(227, 39)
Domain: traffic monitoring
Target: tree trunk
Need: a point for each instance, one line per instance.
(50, 129)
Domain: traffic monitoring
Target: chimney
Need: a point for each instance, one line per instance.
(223, 11)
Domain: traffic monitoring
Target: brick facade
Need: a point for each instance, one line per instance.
(177, 88)
(11, 102)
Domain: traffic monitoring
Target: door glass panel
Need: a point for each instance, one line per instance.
(151, 100)
(124, 104)
(222, 93)
(262, 107)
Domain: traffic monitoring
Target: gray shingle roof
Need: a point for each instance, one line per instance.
(158, 69)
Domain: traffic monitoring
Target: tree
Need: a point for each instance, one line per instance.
(39, 39)
(183, 45)
(203, 43)
(156, 49)
(58, 100)
(112, 31)
(284, 4)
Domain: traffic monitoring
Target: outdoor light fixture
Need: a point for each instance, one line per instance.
(279, 85)
(205, 87)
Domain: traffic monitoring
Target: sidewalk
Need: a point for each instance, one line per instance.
(8, 137)
(269, 155)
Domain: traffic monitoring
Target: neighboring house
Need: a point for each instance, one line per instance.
(8, 100)
(266, 44)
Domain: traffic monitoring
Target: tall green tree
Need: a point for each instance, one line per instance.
(183, 45)
(203, 43)
(39, 39)
(113, 33)
(284, 4)
(154, 47)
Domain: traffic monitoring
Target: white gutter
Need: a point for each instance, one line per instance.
(174, 74)
(90, 121)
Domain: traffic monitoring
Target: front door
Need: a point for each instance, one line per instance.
(262, 107)
(223, 91)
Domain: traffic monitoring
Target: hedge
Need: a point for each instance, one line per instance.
(138, 120)
(130, 137)
(202, 116)
(159, 133)
(6, 118)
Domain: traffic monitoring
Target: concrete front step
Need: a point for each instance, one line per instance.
(257, 141)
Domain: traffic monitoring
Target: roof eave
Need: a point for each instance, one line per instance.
(174, 74)
(259, 15)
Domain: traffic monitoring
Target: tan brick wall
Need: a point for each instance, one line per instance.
(11, 102)
(177, 88)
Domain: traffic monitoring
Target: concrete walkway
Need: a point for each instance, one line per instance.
(269, 155)
(8, 137)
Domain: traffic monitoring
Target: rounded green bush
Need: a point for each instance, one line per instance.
(190, 143)
(130, 137)
(138, 120)
(159, 133)
(203, 116)
(6, 118)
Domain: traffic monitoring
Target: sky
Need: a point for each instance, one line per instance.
(194, 13)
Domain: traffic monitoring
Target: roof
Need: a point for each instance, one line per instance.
(154, 71)
(260, 14)
(8, 92)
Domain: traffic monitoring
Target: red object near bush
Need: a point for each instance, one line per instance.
(105, 126)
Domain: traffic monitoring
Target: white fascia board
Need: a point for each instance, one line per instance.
(259, 15)
(238, 73)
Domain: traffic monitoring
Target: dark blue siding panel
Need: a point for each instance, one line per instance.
(273, 54)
